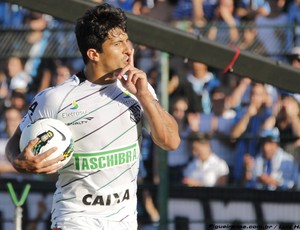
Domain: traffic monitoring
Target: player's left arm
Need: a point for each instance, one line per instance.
(164, 128)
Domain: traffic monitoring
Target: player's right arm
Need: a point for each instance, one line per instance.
(26, 161)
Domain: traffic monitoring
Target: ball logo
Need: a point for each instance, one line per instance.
(68, 152)
(50, 133)
(44, 138)
(62, 135)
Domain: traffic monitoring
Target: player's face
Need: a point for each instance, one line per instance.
(116, 51)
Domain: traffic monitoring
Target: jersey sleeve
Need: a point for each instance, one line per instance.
(44, 104)
(47, 103)
(152, 91)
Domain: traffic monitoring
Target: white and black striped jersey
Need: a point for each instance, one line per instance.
(106, 121)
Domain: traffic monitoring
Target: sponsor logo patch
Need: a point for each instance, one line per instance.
(106, 159)
(106, 200)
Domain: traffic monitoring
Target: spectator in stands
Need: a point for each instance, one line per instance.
(249, 41)
(224, 28)
(160, 10)
(248, 10)
(148, 214)
(271, 29)
(4, 91)
(248, 123)
(294, 57)
(293, 14)
(43, 79)
(206, 169)
(182, 15)
(154, 77)
(203, 12)
(146, 58)
(219, 124)
(189, 13)
(203, 82)
(272, 168)
(51, 72)
(11, 119)
(11, 15)
(240, 93)
(19, 78)
(287, 121)
(18, 101)
(10, 122)
(62, 73)
(37, 39)
(179, 158)
(179, 86)
(126, 5)
(48, 74)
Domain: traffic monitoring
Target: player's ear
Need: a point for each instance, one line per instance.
(92, 54)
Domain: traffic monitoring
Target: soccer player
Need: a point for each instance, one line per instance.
(103, 106)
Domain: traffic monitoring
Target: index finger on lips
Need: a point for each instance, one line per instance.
(127, 68)
(131, 58)
(123, 71)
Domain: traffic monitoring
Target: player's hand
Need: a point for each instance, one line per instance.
(27, 162)
(132, 78)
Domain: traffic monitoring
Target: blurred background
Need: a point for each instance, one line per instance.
(238, 162)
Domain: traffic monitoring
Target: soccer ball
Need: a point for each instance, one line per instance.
(51, 133)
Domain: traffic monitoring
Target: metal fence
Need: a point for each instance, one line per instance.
(61, 43)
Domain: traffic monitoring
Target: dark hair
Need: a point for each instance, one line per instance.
(92, 29)
(198, 137)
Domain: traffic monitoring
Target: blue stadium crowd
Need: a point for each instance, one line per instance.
(235, 131)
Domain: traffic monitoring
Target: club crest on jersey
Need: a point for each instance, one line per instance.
(135, 113)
